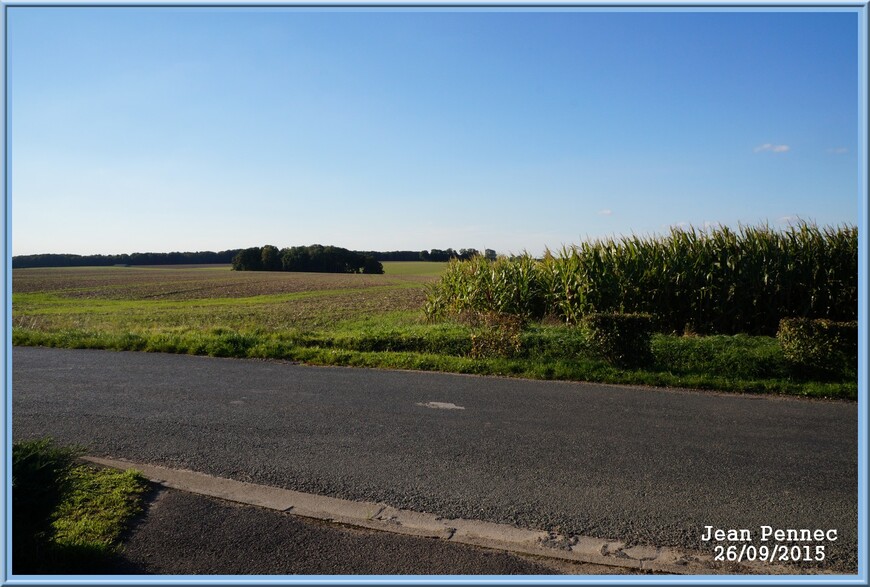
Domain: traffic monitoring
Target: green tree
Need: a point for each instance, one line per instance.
(270, 258)
(250, 259)
(295, 259)
(370, 265)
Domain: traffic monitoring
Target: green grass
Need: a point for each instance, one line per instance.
(414, 268)
(95, 511)
(372, 321)
(67, 517)
(725, 363)
(40, 303)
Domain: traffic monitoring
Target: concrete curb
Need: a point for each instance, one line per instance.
(581, 549)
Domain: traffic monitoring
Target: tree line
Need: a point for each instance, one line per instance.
(314, 258)
(175, 258)
(222, 258)
(430, 255)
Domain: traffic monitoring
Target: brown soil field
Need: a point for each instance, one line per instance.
(189, 282)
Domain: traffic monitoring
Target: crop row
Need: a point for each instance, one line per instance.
(718, 281)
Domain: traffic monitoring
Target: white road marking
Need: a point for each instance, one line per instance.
(441, 406)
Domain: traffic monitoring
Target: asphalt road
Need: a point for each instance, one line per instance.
(187, 534)
(636, 464)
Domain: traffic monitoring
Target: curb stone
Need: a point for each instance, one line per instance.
(375, 516)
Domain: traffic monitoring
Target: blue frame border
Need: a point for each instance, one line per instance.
(859, 6)
(6, 345)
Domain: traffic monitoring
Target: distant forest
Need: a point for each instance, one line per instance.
(316, 258)
(67, 260)
(210, 257)
(320, 259)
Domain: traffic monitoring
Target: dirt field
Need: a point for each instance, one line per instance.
(191, 282)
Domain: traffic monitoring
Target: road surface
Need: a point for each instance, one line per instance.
(188, 534)
(637, 464)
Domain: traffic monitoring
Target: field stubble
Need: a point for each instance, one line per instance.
(188, 283)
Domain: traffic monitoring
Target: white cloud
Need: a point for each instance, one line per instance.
(788, 219)
(838, 150)
(605, 212)
(771, 148)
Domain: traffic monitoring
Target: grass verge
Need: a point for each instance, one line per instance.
(67, 517)
(751, 364)
(367, 320)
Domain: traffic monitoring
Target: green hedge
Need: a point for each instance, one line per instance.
(819, 348)
(621, 339)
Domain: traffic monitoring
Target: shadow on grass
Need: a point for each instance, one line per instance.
(86, 559)
(43, 480)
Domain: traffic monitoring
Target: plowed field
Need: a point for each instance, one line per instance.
(189, 282)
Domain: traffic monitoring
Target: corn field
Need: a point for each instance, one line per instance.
(718, 281)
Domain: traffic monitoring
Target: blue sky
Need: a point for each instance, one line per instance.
(162, 129)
